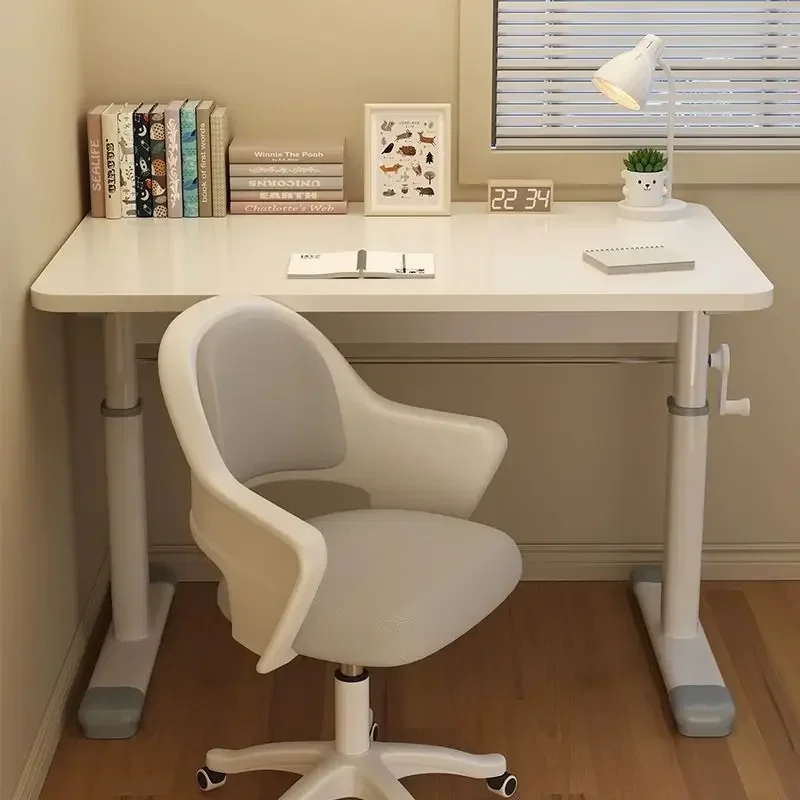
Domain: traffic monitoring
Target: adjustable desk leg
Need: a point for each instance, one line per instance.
(140, 596)
(701, 704)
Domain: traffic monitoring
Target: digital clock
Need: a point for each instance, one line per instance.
(523, 196)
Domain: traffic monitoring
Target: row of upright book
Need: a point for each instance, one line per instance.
(280, 177)
(158, 159)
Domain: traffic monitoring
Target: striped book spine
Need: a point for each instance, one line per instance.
(127, 173)
(173, 153)
(189, 157)
(110, 129)
(158, 160)
(220, 138)
(141, 158)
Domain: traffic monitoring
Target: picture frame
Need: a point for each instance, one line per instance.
(407, 159)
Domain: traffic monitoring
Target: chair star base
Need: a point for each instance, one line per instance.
(353, 765)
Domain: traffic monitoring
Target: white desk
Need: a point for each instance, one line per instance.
(485, 265)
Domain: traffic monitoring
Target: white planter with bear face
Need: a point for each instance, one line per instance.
(645, 189)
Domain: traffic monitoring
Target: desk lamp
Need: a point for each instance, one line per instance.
(626, 80)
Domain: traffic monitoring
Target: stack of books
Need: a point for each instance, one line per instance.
(286, 178)
(158, 159)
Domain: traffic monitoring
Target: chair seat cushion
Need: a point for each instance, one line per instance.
(400, 585)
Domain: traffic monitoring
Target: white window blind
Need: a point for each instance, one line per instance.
(736, 65)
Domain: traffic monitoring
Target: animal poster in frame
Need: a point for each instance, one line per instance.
(407, 159)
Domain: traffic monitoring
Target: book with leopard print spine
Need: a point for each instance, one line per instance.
(158, 161)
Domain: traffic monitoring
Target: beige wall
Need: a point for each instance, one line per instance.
(309, 67)
(41, 202)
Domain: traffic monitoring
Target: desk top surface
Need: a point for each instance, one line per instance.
(483, 263)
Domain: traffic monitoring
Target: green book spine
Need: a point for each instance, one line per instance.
(189, 158)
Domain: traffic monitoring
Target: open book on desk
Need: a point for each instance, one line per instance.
(361, 264)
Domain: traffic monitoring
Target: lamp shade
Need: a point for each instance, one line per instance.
(626, 78)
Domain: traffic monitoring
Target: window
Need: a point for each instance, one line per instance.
(736, 64)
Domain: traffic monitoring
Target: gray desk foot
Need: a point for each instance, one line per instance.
(702, 710)
(701, 703)
(111, 712)
(112, 706)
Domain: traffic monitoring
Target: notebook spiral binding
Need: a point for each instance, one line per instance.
(632, 247)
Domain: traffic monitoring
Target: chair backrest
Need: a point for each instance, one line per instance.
(249, 393)
(268, 395)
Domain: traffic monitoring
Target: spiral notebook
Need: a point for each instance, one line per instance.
(645, 258)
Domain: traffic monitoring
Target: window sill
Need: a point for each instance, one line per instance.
(478, 163)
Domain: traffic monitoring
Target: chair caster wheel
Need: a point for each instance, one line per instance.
(209, 779)
(373, 732)
(505, 785)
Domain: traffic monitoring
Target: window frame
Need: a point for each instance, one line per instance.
(479, 162)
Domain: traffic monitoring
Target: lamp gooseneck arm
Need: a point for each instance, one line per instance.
(670, 124)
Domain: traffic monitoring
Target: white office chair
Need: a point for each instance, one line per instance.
(256, 393)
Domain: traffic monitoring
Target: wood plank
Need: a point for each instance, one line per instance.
(755, 668)
(781, 634)
(560, 678)
(748, 748)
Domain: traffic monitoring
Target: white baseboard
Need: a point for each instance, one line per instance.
(604, 562)
(574, 562)
(36, 766)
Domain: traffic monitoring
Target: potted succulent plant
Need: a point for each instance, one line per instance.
(645, 177)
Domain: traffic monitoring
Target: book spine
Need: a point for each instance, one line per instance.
(254, 195)
(172, 132)
(158, 164)
(127, 176)
(220, 137)
(94, 136)
(142, 164)
(335, 207)
(110, 129)
(204, 187)
(189, 161)
(294, 184)
(247, 154)
(287, 170)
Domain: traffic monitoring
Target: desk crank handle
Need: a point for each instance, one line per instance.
(720, 360)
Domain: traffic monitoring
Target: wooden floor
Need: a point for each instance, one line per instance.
(560, 679)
